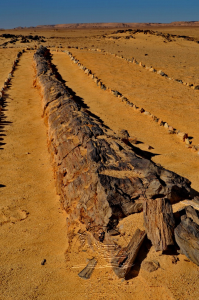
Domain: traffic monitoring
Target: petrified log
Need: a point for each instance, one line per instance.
(187, 234)
(159, 223)
(98, 177)
(88, 270)
(125, 258)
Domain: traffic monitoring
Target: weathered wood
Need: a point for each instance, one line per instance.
(159, 223)
(88, 270)
(187, 234)
(98, 177)
(125, 258)
(192, 214)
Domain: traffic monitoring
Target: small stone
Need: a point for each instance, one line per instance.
(150, 147)
(149, 266)
(141, 64)
(189, 146)
(182, 135)
(133, 140)
(43, 262)
(142, 110)
(160, 73)
(116, 93)
(123, 134)
(195, 148)
(152, 70)
(160, 122)
(166, 125)
(146, 113)
(187, 141)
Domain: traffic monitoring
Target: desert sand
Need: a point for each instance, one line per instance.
(33, 225)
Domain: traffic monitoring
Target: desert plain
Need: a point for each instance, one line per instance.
(33, 225)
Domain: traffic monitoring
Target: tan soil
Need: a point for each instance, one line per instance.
(32, 225)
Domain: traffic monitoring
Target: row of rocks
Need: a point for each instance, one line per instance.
(8, 79)
(90, 167)
(181, 135)
(149, 68)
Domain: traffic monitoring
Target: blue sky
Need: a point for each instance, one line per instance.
(14, 13)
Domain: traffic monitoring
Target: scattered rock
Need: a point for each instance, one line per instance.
(182, 136)
(187, 141)
(160, 73)
(149, 266)
(123, 134)
(43, 262)
(152, 70)
(88, 270)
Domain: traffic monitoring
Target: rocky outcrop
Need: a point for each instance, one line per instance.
(99, 178)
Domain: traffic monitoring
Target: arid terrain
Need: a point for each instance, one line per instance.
(33, 225)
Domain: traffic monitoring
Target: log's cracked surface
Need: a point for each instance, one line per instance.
(98, 177)
(187, 234)
(159, 223)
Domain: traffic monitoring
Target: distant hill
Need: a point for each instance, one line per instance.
(113, 25)
(119, 25)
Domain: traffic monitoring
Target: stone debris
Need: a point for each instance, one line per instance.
(88, 270)
(161, 73)
(182, 136)
(149, 266)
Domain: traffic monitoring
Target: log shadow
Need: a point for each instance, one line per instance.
(144, 250)
(144, 154)
(3, 119)
(193, 193)
(76, 98)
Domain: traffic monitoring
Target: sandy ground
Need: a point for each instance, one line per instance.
(6, 59)
(32, 224)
